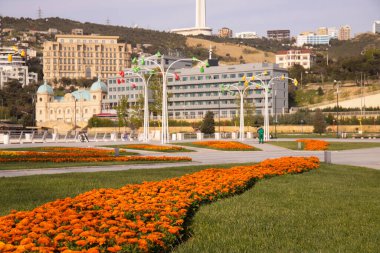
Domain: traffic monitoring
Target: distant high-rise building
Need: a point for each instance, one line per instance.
(322, 31)
(84, 56)
(344, 33)
(278, 34)
(332, 32)
(376, 26)
(225, 32)
(246, 35)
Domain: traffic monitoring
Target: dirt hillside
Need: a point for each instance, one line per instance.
(232, 53)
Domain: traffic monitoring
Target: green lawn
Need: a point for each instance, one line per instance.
(311, 135)
(332, 145)
(333, 209)
(190, 144)
(45, 149)
(153, 150)
(46, 165)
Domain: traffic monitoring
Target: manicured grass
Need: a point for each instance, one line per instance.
(153, 150)
(333, 209)
(46, 165)
(332, 145)
(190, 144)
(46, 149)
(311, 135)
(25, 193)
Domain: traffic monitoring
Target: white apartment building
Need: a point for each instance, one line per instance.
(194, 93)
(15, 69)
(376, 26)
(289, 58)
(312, 39)
(246, 35)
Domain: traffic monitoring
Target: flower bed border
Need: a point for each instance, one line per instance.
(141, 217)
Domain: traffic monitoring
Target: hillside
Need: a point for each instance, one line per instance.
(162, 41)
(354, 47)
(314, 95)
(230, 53)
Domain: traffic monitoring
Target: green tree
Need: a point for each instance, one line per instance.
(208, 123)
(122, 112)
(136, 114)
(319, 122)
(320, 91)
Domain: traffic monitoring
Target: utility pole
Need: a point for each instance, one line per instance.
(337, 108)
(275, 114)
(219, 113)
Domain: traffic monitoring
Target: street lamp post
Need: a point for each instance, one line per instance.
(219, 113)
(141, 62)
(146, 102)
(275, 114)
(267, 87)
(337, 108)
(241, 93)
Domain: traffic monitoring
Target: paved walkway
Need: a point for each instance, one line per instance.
(359, 157)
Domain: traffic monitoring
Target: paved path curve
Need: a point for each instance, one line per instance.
(359, 157)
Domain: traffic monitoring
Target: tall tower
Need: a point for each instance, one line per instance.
(200, 9)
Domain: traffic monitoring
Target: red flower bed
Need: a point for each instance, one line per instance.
(60, 155)
(153, 147)
(135, 218)
(224, 145)
(314, 144)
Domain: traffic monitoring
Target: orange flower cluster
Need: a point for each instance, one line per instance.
(314, 144)
(135, 218)
(61, 155)
(224, 145)
(152, 147)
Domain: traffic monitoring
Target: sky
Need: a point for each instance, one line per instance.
(238, 15)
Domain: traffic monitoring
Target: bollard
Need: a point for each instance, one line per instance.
(116, 152)
(299, 145)
(327, 157)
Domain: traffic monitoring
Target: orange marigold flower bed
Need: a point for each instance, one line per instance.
(224, 145)
(314, 144)
(60, 155)
(135, 218)
(153, 147)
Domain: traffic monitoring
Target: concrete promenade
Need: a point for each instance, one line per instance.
(358, 157)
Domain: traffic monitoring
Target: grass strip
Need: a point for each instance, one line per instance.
(333, 209)
(333, 146)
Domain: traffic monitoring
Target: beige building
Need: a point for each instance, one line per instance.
(225, 32)
(289, 58)
(344, 33)
(84, 56)
(73, 109)
(322, 31)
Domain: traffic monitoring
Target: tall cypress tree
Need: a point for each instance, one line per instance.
(319, 122)
(208, 123)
